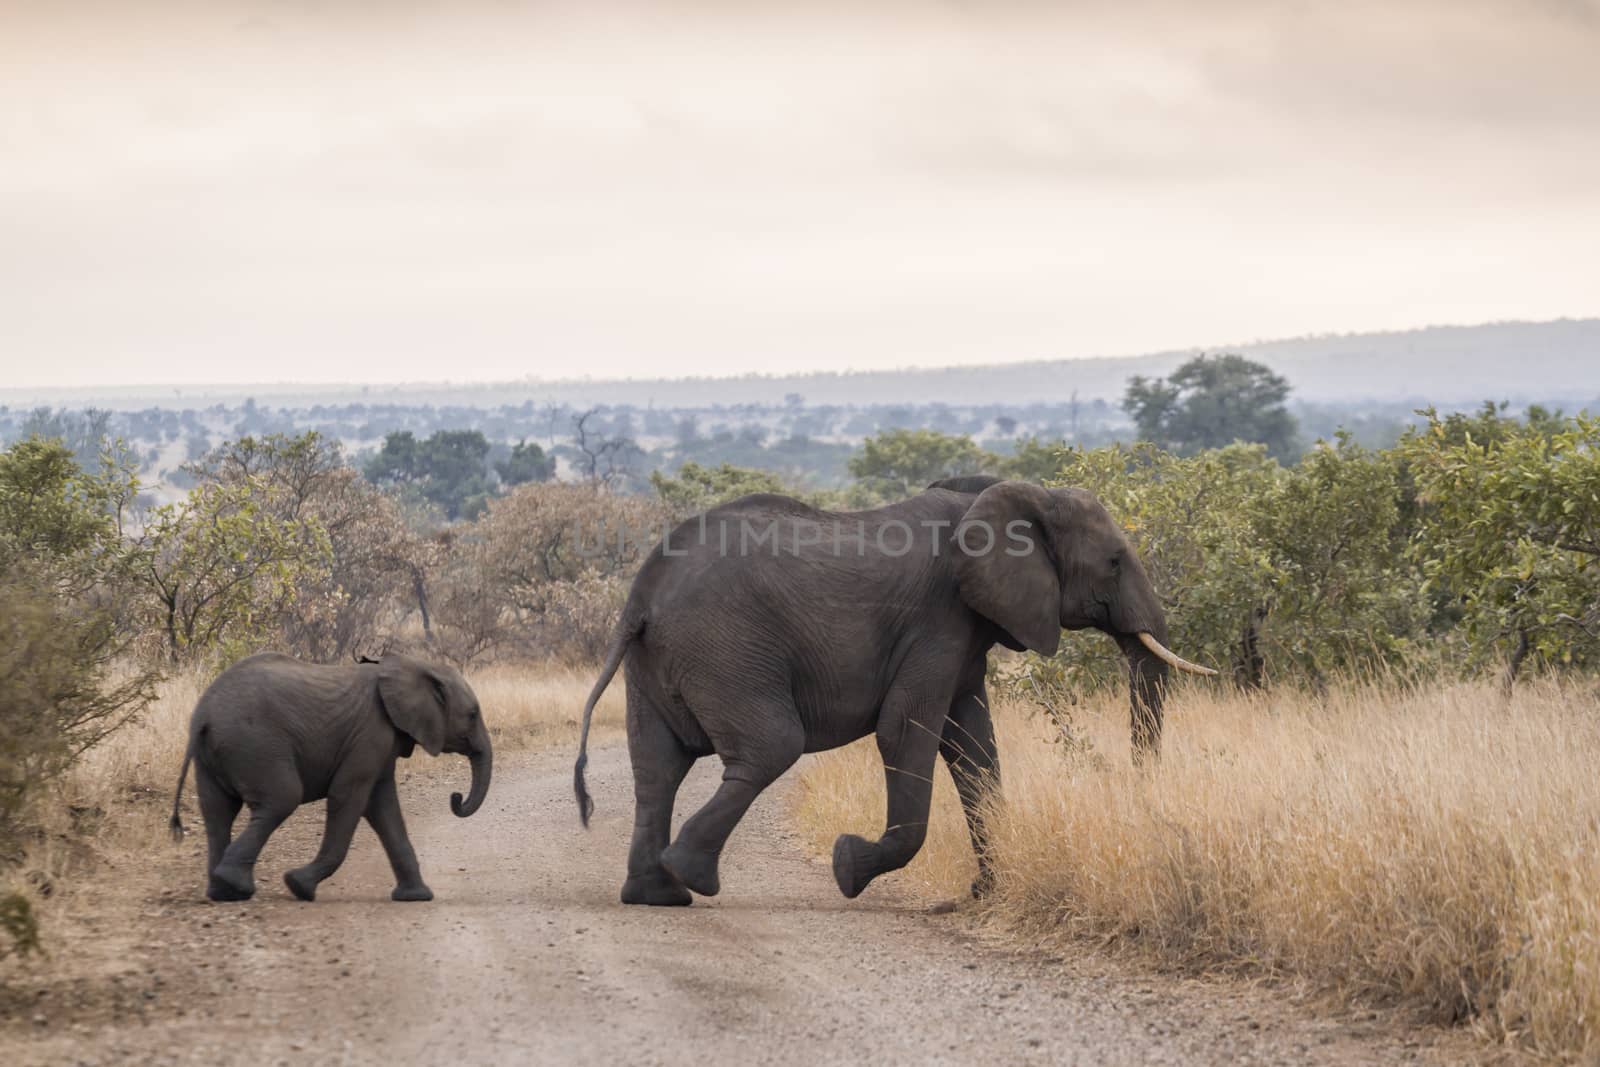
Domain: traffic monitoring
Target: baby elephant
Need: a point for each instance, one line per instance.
(274, 733)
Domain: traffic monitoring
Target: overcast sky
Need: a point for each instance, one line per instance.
(245, 191)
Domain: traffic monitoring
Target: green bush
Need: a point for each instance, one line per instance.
(695, 488)
(65, 572)
(1507, 520)
(899, 463)
(223, 569)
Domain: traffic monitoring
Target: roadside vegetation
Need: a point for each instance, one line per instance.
(1426, 849)
(1384, 797)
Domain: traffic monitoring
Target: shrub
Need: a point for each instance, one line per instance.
(544, 572)
(1508, 526)
(222, 569)
(899, 463)
(355, 597)
(695, 488)
(64, 574)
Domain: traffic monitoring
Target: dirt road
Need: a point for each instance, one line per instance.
(526, 957)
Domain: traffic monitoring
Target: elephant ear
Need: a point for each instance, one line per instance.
(1005, 565)
(413, 698)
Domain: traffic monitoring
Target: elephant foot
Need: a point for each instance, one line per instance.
(659, 890)
(696, 870)
(411, 892)
(853, 864)
(230, 886)
(301, 884)
(984, 883)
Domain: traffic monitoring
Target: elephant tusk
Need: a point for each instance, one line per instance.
(1171, 658)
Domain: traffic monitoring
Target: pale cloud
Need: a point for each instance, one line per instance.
(244, 190)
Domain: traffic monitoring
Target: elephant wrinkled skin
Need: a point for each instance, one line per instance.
(766, 628)
(273, 733)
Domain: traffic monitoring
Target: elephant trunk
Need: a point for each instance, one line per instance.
(482, 759)
(1147, 688)
(1140, 629)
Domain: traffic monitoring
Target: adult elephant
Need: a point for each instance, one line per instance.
(766, 628)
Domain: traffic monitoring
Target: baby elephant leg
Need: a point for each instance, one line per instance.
(274, 801)
(220, 809)
(383, 815)
(344, 812)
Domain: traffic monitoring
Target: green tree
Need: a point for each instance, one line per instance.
(1509, 524)
(448, 469)
(65, 679)
(899, 463)
(695, 488)
(1491, 425)
(1210, 402)
(223, 568)
(454, 458)
(395, 463)
(376, 565)
(1345, 596)
(527, 463)
(1032, 460)
(50, 508)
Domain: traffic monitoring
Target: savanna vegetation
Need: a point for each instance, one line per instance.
(1387, 796)
(1389, 800)
(1427, 850)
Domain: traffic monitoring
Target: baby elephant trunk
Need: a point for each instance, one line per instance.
(482, 759)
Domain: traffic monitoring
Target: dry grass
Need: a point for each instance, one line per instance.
(533, 707)
(1437, 851)
(101, 843)
(144, 757)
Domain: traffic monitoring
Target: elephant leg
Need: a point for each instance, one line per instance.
(767, 742)
(968, 748)
(907, 740)
(344, 812)
(383, 815)
(659, 766)
(270, 804)
(219, 808)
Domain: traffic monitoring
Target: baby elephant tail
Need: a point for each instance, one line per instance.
(175, 824)
(619, 647)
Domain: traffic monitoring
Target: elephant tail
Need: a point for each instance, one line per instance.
(619, 647)
(175, 824)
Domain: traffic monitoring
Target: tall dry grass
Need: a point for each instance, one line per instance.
(541, 705)
(1436, 850)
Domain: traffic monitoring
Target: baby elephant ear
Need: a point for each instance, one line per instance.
(413, 698)
(1005, 565)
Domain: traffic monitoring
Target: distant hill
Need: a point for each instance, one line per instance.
(1548, 362)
